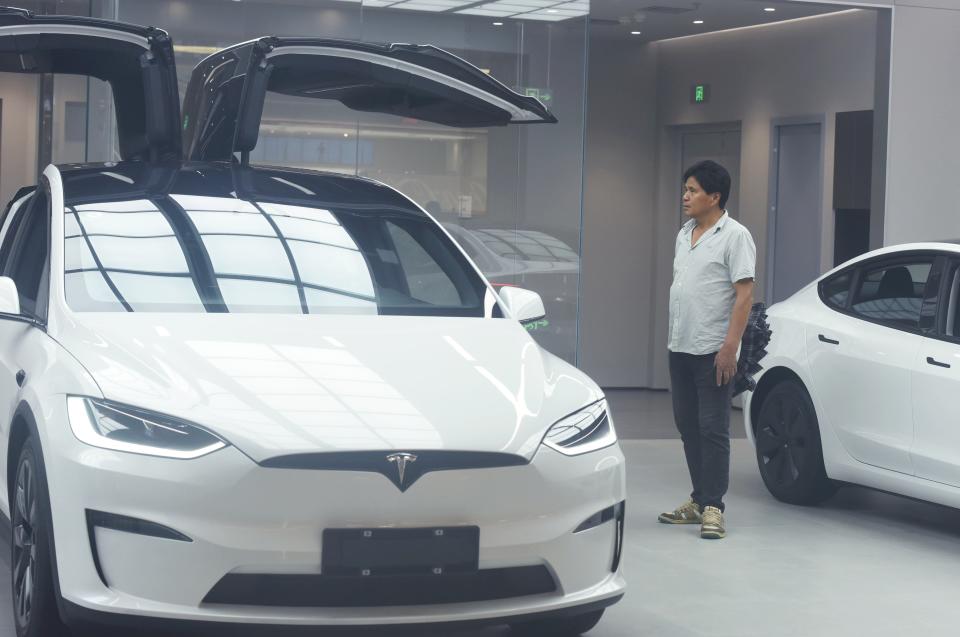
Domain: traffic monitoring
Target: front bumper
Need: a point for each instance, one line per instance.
(244, 519)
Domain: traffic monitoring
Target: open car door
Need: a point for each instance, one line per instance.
(136, 61)
(226, 94)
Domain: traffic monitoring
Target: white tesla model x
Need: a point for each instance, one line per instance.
(862, 378)
(260, 396)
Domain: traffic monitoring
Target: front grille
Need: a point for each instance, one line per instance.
(418, 463)
(331, 591)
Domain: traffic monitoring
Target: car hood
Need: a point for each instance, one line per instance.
(279, 385)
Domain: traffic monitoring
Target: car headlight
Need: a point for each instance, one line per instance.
(123, 428)
(582, 432)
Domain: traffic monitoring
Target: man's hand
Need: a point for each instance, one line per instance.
(726, 363)
(726, 360)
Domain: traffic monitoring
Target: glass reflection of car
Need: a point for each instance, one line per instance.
(269, 396)
(533, 260)
(860, 380)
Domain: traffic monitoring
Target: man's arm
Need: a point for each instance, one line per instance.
(726, 361)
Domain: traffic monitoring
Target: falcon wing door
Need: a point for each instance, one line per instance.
(136, 61)
(224, 101)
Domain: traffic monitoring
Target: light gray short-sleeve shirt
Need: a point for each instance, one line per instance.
(702, 294)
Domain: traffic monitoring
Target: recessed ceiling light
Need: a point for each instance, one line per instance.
(346, 134)
(698, 21)
(636, 32)
(770, 9)
(498, 24)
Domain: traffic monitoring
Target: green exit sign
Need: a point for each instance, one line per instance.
(545, 95)
(700, 94)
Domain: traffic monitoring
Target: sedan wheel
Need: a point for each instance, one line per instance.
(35, 610)
(788, 446)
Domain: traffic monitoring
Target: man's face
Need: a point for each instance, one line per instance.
(696, 202)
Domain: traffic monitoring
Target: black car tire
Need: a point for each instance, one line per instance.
(789, 452)
(560, 627)
(35, 611)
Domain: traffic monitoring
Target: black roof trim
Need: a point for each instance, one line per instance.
(105, 182)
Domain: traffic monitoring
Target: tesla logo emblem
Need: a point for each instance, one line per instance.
(402, 460)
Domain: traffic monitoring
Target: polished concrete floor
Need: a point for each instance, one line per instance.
(865, 563)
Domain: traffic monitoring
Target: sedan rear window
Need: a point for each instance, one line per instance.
(186, 253)
(836, 290)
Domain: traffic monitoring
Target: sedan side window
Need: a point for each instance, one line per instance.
(893, 293)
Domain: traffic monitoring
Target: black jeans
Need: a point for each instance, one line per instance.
(702, 413)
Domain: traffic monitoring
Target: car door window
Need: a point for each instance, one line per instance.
(835, 291)
(425, 279)
(25, 257)
(892, 293)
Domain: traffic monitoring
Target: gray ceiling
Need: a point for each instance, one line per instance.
(662, 19)
(655, 19)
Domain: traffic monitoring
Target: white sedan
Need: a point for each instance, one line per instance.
(264, 396)
(861, 380)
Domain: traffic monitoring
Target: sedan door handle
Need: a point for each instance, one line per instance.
(824, 339)
(932, 361)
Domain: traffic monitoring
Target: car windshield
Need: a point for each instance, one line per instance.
(188, 253)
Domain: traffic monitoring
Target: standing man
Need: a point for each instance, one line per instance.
(710, 301)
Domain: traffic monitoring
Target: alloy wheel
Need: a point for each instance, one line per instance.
(24, 542)
(782, 439)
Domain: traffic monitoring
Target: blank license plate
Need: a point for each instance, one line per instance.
(366, 552)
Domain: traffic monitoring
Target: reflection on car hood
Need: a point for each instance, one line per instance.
(276, 385)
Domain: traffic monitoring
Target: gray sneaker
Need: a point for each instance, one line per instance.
(712, 527)
(686, 513)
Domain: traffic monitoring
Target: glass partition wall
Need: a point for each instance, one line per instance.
(510, 196)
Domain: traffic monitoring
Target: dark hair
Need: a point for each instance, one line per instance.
(712, 177)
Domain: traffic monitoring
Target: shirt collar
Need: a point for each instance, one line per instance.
(721, 222)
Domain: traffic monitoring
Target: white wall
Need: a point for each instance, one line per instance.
(923, 158)
(811, 67)
(18, 134)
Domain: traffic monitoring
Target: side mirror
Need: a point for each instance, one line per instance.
(523, 305)
(9, 299)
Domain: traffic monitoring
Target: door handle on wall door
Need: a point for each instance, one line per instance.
(824, 339)
(932, 361)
